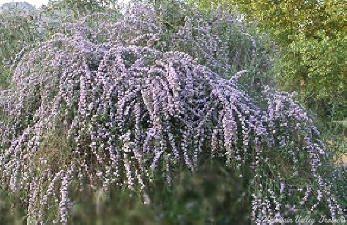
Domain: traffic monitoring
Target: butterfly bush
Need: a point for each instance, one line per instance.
(125, 103)
(211, 39)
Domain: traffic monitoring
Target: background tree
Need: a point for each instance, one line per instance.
(311, 36)
(105, 100)
(118, 105)
(16, 32)
(83, 7)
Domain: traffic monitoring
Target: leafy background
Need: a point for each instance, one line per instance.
(306, 44)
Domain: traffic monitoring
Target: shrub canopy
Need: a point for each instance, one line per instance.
(110, 103)
(311, 36)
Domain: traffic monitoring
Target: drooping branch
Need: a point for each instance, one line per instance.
(123, 111)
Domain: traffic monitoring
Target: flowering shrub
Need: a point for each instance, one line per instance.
(112, 103)
(312, 44)
(16, 32)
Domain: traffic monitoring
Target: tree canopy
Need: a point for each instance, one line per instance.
(312, 37)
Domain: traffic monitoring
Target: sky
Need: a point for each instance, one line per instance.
(36, 3)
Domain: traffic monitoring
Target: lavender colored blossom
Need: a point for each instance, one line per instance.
(135, 103)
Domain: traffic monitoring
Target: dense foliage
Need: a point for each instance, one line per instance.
(107, 103)
(22, 29)
(312, 38)
(16, 31)
(214, 194)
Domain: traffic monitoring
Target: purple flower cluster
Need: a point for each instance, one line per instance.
(128, 109)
